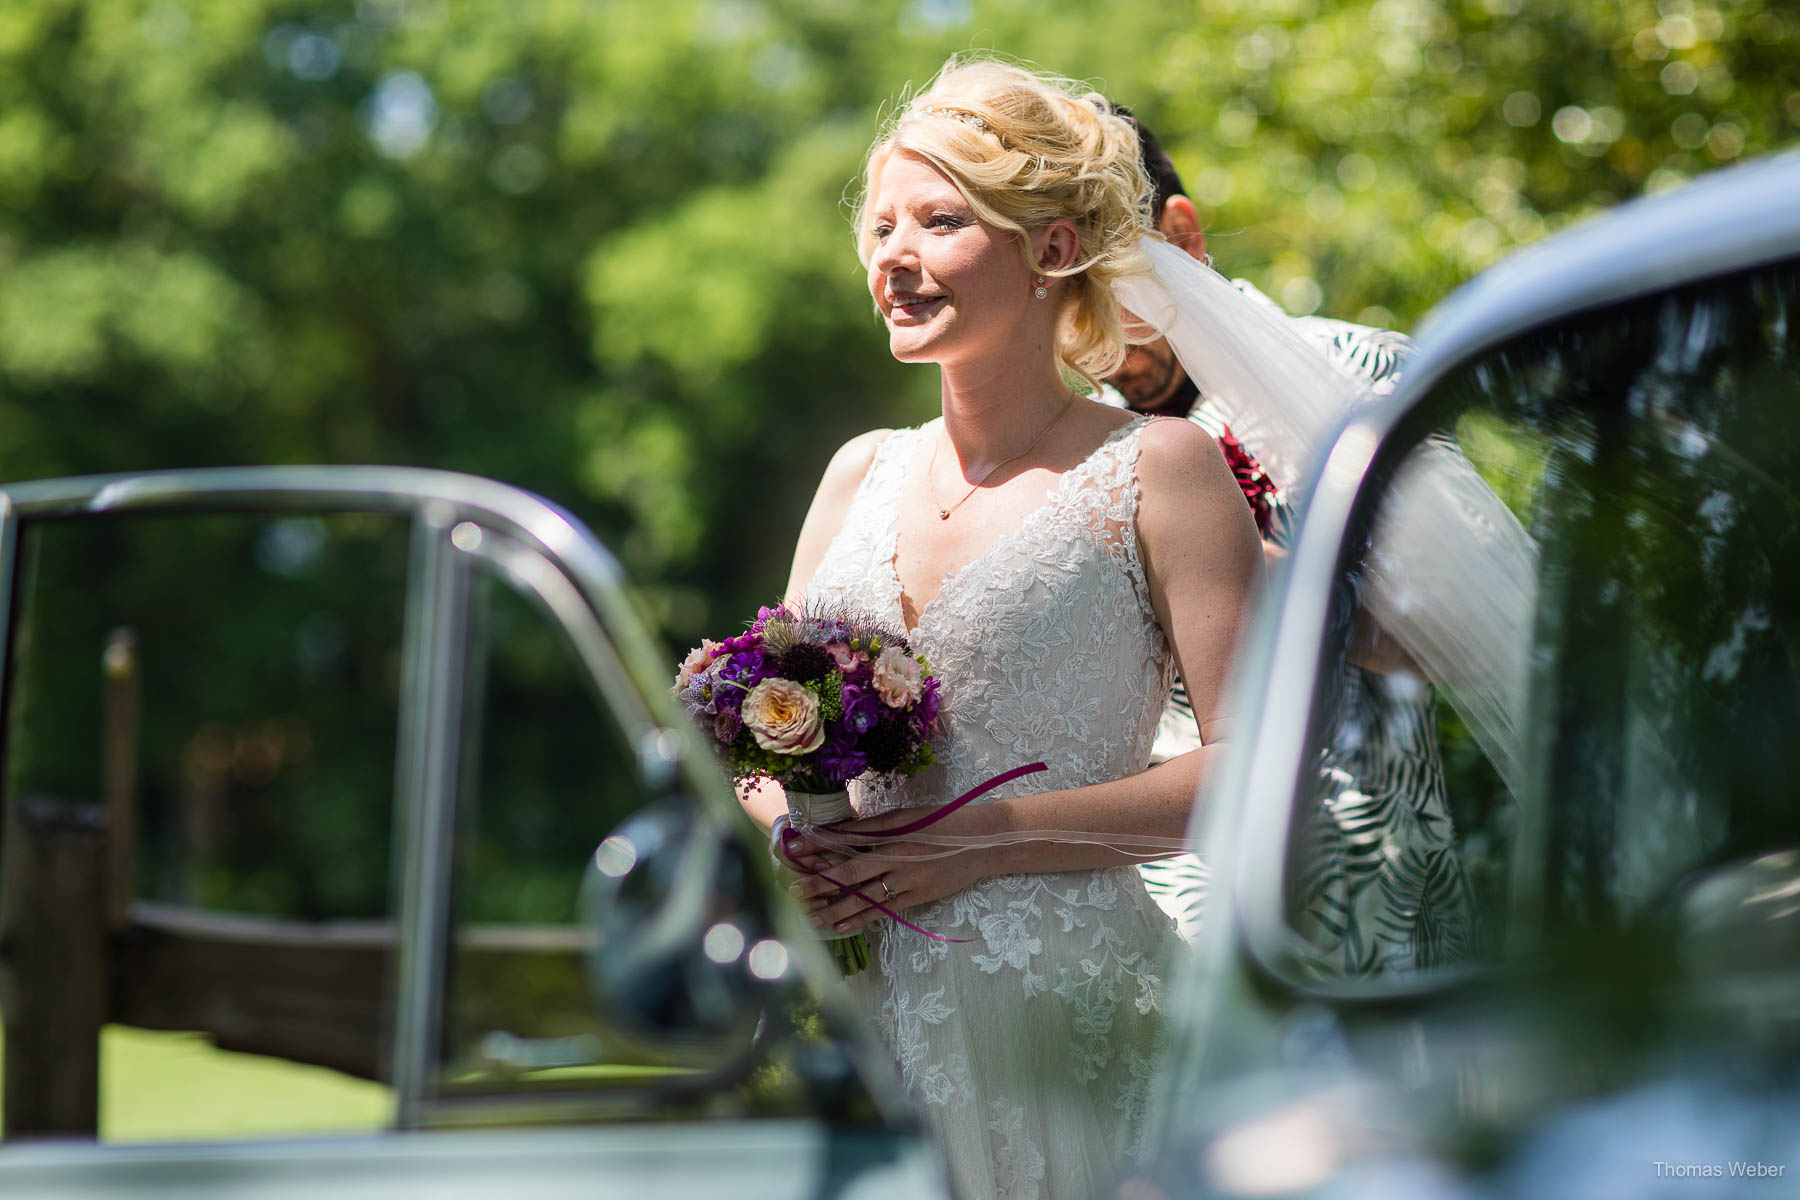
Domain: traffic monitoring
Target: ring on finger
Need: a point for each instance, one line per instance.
(887, 893)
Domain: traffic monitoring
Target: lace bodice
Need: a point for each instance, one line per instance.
(1030, 1046)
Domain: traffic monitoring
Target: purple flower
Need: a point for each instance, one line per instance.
(765, 614)
(727, 724)
(751, 640)
(840, 759)
(862, 709)
(927, 708)
(746, 669)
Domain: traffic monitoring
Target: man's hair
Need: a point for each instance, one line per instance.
(1156, 162)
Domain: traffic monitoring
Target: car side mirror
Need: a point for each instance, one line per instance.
(676, 913)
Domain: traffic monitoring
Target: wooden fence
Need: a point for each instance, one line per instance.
(77, 951)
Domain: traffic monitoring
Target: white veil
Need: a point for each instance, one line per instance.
(1453, 579)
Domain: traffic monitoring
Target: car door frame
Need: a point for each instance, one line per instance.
(577, 580)
(1647, 247)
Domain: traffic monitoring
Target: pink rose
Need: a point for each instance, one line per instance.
(698, 659)
(784, 717)
(847, 660)
(899, 680)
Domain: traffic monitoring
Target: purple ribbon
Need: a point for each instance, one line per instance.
(925, 822)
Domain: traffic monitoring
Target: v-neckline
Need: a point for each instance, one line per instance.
(1052, 500)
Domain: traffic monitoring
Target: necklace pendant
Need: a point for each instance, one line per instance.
(943, 514)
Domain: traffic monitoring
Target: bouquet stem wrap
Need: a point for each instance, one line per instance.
(808, 811)
(808, 805)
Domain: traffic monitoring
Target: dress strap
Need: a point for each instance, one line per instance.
(1101, 498)
(879, 492)
(866, 532)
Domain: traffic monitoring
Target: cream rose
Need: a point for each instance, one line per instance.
(899, 680)
(784, 717)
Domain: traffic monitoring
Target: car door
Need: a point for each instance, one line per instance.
(375, 770)
(1537, 963)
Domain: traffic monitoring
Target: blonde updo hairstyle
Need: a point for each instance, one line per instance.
(1027, 149)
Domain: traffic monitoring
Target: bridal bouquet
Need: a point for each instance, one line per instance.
(814, 700)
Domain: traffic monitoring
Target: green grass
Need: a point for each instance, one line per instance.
(180, 1087)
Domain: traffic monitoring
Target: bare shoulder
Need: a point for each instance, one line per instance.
(850, 464)
(1202, 559)
(1192, 518)
(1180, 464)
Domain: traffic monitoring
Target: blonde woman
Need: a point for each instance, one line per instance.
(1059, 562)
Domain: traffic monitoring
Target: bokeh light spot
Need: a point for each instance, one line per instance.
(615, 856)
(1521, 110)
(723, 943)
(768, 959)
(518, 169)
(1677, 32)
(400, 114)
(1725, 141)
(1679, 78)
(1689, 131)
(1325, 204)
(1214, 187)
(1571, 124)
(1302, 295)
(313, 57)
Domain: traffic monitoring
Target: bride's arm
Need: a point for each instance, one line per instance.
(763, 800)
(1203, 562)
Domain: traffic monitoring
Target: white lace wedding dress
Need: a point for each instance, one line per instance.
(1030, 1047)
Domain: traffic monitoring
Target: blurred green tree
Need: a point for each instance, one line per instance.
(600, 248)
(584, 247)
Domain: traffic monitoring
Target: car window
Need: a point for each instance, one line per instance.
(1651, 451)
(216, 695)
(550, 772)
(576, 843)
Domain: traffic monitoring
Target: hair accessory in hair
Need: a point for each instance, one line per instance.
(958, 114)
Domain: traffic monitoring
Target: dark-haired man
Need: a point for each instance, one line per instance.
(1384, 753)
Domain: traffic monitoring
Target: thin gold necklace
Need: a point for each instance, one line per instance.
(931, 467)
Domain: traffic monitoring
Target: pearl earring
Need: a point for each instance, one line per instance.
(1040, 291)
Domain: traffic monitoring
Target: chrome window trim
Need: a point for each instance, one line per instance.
(427, 779)
(9, 587)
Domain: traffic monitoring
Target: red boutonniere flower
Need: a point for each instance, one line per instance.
(1255, 482)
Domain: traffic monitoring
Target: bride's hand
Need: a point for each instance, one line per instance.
(898, 873)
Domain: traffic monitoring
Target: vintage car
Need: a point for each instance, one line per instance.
(1583, 978)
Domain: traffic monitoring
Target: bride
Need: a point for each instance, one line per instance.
(1058, 562)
